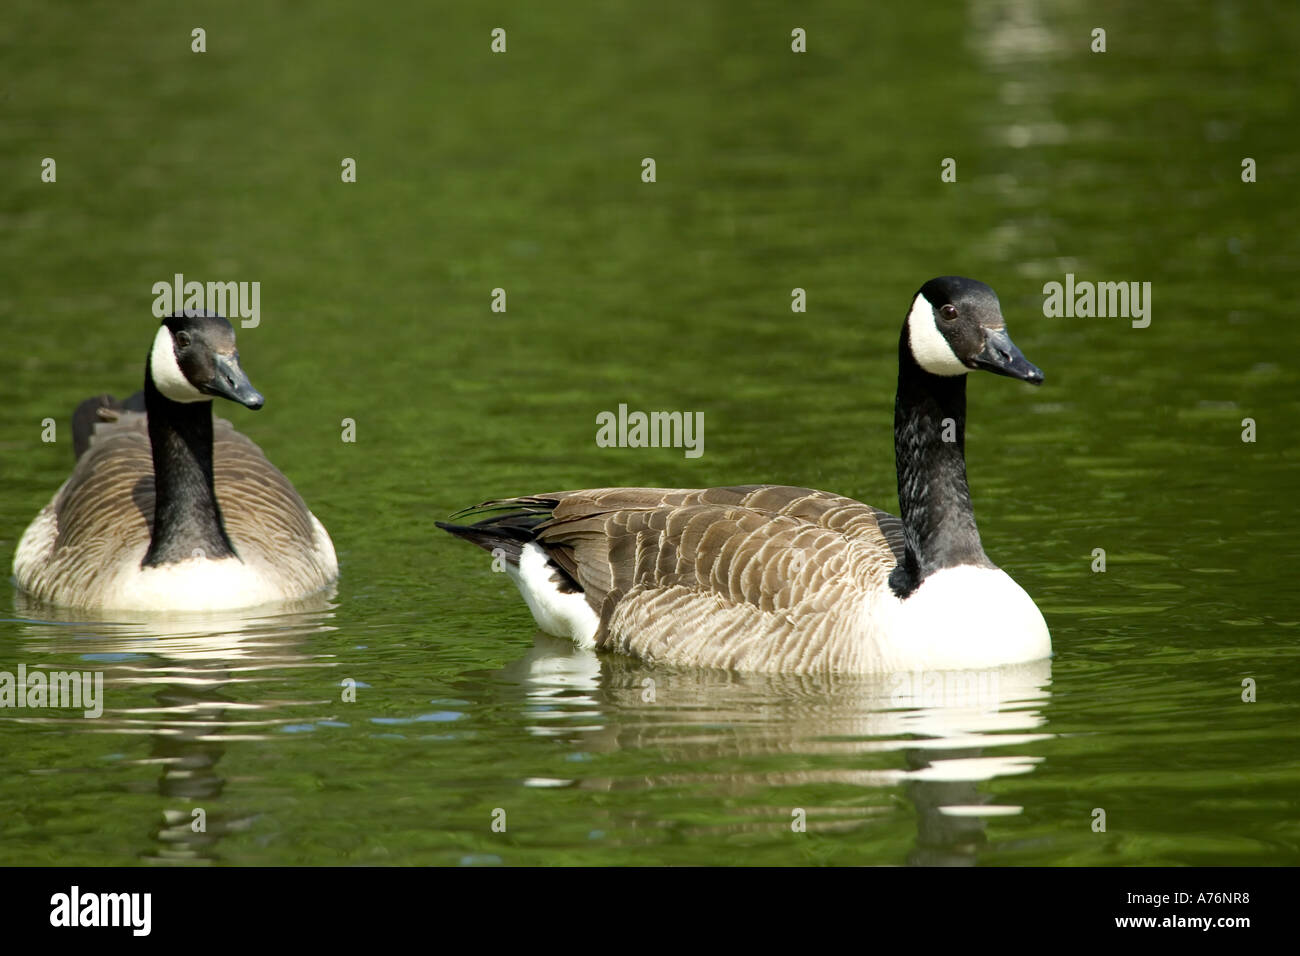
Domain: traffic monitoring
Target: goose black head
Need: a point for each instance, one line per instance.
(956, 325)
(194, 359)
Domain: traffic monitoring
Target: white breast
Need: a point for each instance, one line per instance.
(960, 617)
(195, 585)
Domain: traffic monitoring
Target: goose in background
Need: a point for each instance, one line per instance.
(784, 579)
(169, 508)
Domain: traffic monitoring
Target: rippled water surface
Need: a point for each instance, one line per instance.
(775, 170)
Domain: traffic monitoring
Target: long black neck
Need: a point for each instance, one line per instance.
(186, 518)
(930, 447)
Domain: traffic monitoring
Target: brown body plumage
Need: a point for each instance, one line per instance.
(86, 546)
(753, 577)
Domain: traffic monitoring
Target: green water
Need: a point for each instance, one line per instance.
(775, 170)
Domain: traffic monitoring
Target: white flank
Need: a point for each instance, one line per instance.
(166, 372)
(960, 617)
(558, 613)
(930, 349)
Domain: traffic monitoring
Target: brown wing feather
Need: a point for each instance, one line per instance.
(745, 576)
(263, 512)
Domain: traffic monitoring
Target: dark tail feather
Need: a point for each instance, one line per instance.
(490, 538)
(518, 523)
(509, 531)
(515, 510)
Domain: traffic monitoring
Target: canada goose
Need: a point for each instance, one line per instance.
(167, 507)
(775, 578)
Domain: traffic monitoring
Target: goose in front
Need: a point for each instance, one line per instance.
(783, 579)
(169, 508)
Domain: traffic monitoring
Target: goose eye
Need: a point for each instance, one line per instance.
(183, 339)
(949, 312)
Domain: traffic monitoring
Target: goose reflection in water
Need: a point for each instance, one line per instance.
(954, 732)
(203, 675)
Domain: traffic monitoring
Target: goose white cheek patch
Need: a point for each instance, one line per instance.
(930, 349)
(167, 375)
